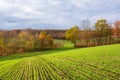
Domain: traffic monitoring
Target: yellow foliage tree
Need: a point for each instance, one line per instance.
(103, 30)
(73, 34)
(46, 40)
(50, 39)
(1, 45)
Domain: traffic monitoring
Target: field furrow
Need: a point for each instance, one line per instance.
(76, 64)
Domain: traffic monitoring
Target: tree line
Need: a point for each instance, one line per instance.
(24, 41)
(18, 41)
(102, 34)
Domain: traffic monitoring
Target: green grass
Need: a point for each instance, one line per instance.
(93, 63)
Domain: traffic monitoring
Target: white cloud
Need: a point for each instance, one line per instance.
(57, 12)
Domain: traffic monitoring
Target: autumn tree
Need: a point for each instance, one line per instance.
(73, 34)
(116, 30)
(103, 30)
(27, 40)
(30, 43)
(87, 35)
(50, 40)
(23, 37)
(42, 38)
(46, 40)
(1, 44)
(13, 45)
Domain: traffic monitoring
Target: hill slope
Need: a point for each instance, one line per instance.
(94, 63)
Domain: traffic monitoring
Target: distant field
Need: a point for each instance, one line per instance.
(67, 63)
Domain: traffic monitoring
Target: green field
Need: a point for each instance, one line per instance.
(67, 63)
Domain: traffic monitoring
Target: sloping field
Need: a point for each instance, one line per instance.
(94, 63)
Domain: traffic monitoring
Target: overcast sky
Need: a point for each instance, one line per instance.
(55, 14)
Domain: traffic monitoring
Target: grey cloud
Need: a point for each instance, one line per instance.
(55, 13)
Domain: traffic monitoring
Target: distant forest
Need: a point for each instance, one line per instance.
(17, 41)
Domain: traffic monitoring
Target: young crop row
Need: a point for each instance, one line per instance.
(81, 70)
(34, 68)
(42, 68)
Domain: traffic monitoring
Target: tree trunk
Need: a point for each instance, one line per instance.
(74, 44)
